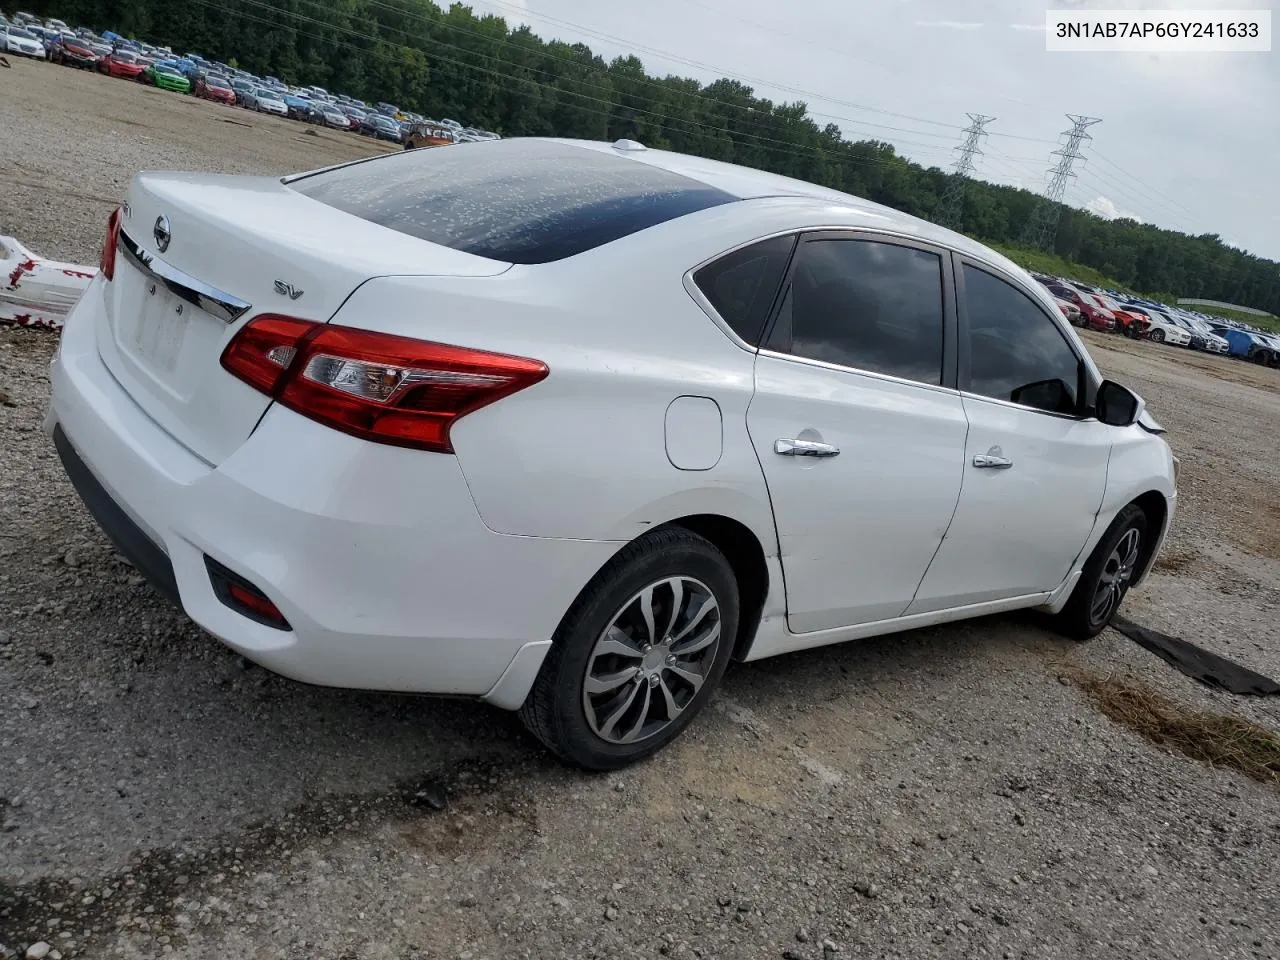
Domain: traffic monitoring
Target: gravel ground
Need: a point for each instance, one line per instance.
(943, 793)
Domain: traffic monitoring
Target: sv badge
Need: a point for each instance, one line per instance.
(288, 290)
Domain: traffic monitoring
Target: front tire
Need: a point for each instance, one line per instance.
(1105, 580)
(639, 653)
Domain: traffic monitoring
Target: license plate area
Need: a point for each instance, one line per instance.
(161, 329)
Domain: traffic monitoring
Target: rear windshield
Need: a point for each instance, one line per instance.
(518, 201)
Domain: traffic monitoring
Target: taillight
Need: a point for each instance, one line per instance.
(107, 262)
(376, 386)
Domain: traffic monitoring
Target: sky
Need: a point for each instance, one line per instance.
(1188, 141)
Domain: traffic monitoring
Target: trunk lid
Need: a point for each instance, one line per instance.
(201, 255)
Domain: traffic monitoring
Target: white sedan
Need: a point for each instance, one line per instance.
(269, 101)
(1166, 331)
(22, 42)
(569, 426)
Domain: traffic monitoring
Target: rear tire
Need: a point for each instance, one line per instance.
(1157, 336)
(614, 690)
(1105, 580)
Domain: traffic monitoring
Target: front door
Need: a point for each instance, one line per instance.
(1035, 464)
(859, 435)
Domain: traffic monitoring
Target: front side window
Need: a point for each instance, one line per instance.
(1016, 352)
(865, 304)
(742, 285)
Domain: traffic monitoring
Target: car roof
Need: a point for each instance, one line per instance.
(747, 183)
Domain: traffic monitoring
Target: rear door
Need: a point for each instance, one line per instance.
(857, 426)
(1035, 463)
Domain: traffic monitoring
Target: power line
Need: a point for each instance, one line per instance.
(1042, 227)
(951, 209)
(781, 147)
(524, 12)
(1144, 187)
(648, 81)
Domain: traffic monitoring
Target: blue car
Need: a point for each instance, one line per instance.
(1248, 345)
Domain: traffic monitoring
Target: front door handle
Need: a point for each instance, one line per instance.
(804, 448)
(990, 462)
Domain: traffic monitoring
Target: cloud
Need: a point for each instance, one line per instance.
(949, 24)
(1107, 210)
(1028, 26)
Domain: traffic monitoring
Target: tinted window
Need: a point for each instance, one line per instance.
(519, 201)
(741, 286)
(1016, 352)
(864, 304)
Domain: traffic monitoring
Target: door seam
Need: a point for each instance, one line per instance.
(955, 508)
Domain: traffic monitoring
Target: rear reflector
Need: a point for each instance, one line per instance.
(376, 386)
(243, 597)
(107, 262)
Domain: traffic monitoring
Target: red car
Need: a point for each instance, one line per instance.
(122, 64)
(1130, 322)
(216, 89)
(1096, 316)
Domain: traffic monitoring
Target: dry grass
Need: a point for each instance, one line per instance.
(1215, 739)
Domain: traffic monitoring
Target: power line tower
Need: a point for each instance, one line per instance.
(1042, 228)
(951, 208)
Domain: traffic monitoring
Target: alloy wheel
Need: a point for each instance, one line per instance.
(651, 660)
(1115, 577)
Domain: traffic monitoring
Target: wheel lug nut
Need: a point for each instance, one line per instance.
(671, 659)
(653, 679)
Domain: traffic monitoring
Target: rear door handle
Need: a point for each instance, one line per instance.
(804, 448)
(987, 461)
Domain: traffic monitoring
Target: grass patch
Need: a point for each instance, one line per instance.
(1211, 738)
(1057, 266)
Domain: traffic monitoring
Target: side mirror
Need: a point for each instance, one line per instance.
(1118, 406)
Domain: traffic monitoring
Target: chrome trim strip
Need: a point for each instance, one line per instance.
(872, 374)
(982, 398)
(211, 300)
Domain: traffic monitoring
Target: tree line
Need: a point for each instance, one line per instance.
(455, 63)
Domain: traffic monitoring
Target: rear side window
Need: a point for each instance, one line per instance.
(865, 304)
(518, 201)
(741, 285)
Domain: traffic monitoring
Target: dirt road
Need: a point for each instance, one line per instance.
(954, 792)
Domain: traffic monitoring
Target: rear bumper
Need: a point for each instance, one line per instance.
(375, 555)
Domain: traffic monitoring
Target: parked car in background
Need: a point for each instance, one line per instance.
(71, 51)
(427, 135)
(216, 88)
(122, 63)
(267, 100)
(1202, 334)
(1070, 311)
(1130, 323)
(1164, 330)
(1248, 344)
(1096, 316)
(363, 495)
(385, 128)
(167, 77)
(22, 42)
(243, 90)
(335, 118)
(298, 108)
